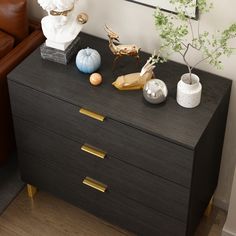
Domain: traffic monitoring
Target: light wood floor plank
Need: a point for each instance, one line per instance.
(212, 225)
(50, 216)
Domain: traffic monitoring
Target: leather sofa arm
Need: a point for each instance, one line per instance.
(34, 25)
(23, 49)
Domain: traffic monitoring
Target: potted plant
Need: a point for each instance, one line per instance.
(181, 35)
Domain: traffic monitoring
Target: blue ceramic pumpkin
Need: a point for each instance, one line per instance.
(88, 60)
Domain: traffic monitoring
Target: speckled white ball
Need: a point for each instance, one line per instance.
(95, 79)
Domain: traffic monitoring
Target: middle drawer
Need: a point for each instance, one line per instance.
(138, 148)
(150, 190)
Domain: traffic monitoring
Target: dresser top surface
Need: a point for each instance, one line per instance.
(167, 120)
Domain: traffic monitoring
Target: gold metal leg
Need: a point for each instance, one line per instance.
(31, 190)
(209, 208)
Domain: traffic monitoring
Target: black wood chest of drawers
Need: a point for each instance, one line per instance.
(159, 165)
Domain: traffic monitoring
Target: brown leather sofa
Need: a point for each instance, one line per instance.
(18, 38)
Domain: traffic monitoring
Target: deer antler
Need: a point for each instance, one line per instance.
(109, 31)
(150, 64)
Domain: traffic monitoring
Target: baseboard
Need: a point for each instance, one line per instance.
(226, 232)
(221, 204)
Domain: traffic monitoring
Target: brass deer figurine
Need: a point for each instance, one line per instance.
(120, 50)
(135, 81)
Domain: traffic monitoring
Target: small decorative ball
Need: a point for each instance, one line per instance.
(155, 91)
(95, 79)
(88, 60)
(82, 18)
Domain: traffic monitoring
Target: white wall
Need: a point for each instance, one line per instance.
(135, 24)
(230, 225)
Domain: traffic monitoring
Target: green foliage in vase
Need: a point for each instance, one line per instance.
(179, 34)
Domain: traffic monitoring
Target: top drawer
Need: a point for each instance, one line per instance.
(131, 145)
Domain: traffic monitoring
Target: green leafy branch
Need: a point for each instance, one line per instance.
(175, 29)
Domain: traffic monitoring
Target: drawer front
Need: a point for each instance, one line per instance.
(110, 206)
(152, 191)
(131, 145)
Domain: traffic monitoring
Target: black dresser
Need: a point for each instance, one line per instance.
(151, 169)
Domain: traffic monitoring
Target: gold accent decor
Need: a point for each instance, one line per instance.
(60, 13)
(95, 184)
(137, 80)
(94, 151)
(120, 50)
(31, 190)
(208, 210)
(82, 18)
(92, 114)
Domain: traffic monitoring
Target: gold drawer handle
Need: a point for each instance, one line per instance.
(92, 114)
(94, 151)
(95, 184)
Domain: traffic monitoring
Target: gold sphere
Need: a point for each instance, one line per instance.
(95, 79)
(82, 18)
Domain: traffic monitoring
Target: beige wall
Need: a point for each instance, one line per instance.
(135, 24)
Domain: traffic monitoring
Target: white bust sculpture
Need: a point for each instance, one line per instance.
(63, 22)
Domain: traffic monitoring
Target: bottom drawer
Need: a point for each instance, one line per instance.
(110, 206)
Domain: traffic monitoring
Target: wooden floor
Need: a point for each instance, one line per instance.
(49, 216)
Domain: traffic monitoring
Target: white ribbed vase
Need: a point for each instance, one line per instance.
(189, 95)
